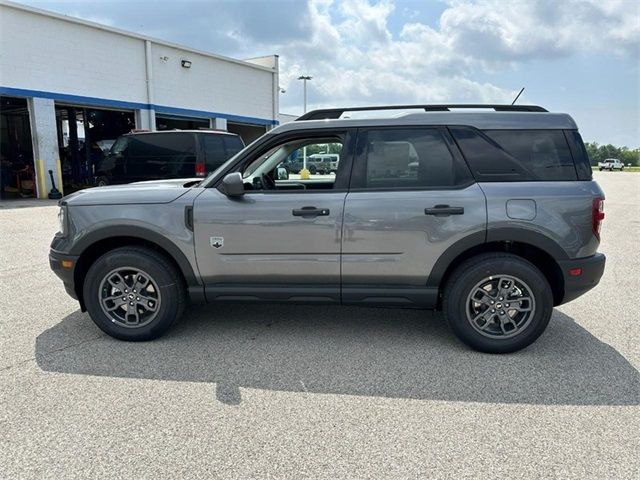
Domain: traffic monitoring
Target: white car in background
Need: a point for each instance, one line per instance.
(325, 162)
(611, 164)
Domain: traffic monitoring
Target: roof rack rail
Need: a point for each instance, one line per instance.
(334, 113)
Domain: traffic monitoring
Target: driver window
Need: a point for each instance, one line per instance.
(300, 164)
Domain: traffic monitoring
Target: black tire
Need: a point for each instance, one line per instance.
(457, 302)
(171, 297)
(313, 170)
(102, 181)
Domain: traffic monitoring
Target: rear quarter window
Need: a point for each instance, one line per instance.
(580, 155)
(214, 150)
(232, 144)
(219, 148)
(516, 155)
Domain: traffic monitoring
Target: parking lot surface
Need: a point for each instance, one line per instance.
(280, 391)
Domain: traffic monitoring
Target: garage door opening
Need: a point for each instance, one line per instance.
(85, 136)
(17, 173)
(247, 132)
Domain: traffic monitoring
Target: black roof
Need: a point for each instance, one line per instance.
(335, 113)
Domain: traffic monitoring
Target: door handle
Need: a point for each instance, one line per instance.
(310, 212)
(444, 211)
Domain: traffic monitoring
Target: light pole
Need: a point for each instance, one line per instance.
(305, 79)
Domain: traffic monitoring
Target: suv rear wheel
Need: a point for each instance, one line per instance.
(497, 303)
(134, 293)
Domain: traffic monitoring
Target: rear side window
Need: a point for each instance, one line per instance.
(406, 158)
(162, 145)
(516, 155)
(163, 154)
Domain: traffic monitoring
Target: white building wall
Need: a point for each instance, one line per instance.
(286, 118)
(53, 59)
(47, 54)
(210, 84)
(51, 53)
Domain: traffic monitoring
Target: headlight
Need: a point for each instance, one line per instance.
(62, 220)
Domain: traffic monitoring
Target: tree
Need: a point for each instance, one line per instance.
(598, 153)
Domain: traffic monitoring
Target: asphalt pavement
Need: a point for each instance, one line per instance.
(281, 391)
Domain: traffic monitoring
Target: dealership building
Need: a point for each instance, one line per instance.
(69, 87)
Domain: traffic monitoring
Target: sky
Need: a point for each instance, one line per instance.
(581, 57)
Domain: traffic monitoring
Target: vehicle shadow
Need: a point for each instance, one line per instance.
(351, 351)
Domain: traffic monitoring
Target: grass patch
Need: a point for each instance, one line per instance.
(626, 169)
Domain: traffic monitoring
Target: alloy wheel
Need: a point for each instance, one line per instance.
(500, 306)
(129, 297)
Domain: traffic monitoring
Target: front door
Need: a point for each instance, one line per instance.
(412, 197)
(281, 240)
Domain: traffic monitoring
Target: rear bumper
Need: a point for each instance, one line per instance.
(65, 274)
(576, 285)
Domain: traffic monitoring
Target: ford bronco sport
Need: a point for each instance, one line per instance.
(491, 216)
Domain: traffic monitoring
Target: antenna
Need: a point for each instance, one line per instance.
(517, 96)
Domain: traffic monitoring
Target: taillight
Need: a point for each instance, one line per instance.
(597, 215)
(199, 169)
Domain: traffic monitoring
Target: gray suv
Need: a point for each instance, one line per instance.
(491, 216)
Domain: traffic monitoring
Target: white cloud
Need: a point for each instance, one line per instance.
(355, 58)
(394, 51)
(495, 31)
(366, 22)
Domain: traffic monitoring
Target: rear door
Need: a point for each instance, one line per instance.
(411, 197)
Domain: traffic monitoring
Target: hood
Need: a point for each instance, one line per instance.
(173, 182)
(158, 191)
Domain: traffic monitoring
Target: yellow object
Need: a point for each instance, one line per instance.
(304, 174)
(41, 179)
(42, 174)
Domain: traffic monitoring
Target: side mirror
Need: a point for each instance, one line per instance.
(282, 173)
(233, 185)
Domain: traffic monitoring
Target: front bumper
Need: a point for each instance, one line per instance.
(66, 274)
(591, 269)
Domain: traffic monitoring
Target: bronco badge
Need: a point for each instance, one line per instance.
(216, 242)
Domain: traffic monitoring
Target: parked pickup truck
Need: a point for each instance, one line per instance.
(611, 164)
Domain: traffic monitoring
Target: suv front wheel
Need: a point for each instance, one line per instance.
(497, 302)
(134, 293)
